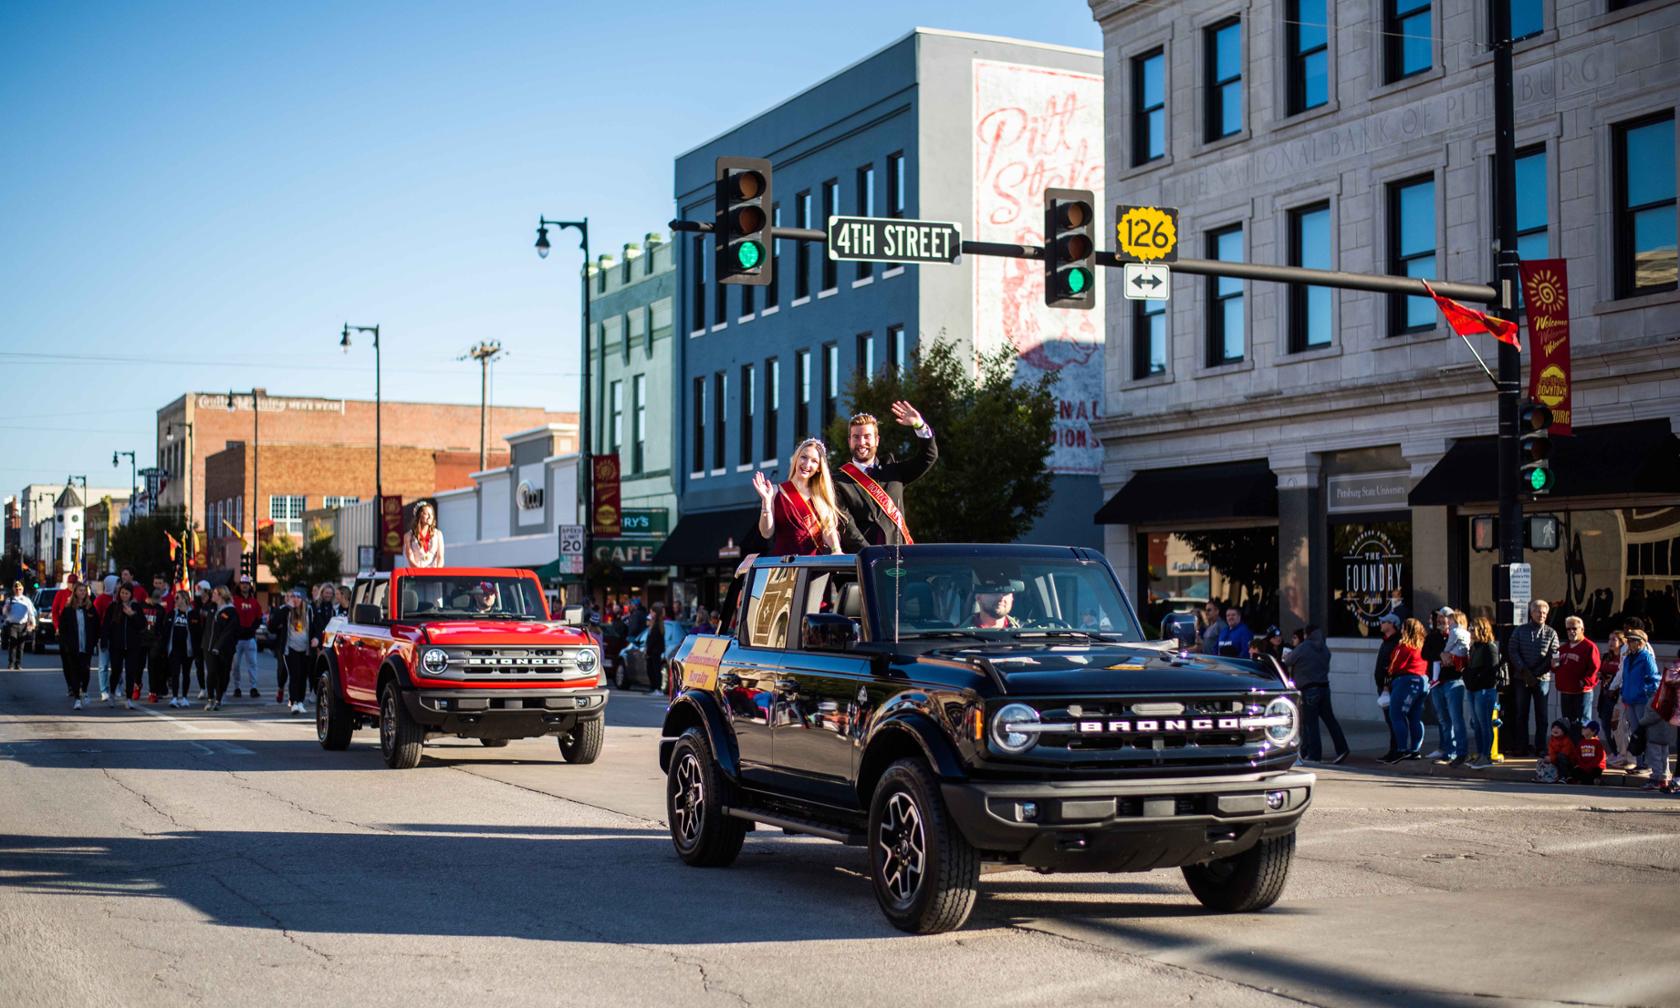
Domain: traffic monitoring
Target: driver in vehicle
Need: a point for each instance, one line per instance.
(483, 597)
(995, 598)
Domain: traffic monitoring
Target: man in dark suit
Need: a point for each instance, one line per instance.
(870, 491)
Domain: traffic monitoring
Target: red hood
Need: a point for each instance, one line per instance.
(494, 633)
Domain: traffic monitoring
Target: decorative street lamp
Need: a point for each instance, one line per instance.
(256, 444)
(586, 474)
(378, 442)
(133, 482)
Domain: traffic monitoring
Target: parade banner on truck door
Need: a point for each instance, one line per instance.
(1545, 286)
(1036, 128)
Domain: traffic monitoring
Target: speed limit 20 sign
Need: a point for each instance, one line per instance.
(1145, 233)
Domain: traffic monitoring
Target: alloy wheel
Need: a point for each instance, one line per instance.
(688, 799)
(903, 845)
(388, 720)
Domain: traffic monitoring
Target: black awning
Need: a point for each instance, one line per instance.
(1638, 457)
(1246, 489)
(699, 536)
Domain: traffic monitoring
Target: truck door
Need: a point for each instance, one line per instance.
(366, 642)
(748, 674)
(823, 697)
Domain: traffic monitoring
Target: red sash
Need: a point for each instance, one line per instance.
(879, 496)
(803, 518)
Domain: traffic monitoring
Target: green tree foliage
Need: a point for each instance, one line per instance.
(317, 560)
(140, 544)
(992, 479)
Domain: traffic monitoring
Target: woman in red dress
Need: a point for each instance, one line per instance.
(799, 517)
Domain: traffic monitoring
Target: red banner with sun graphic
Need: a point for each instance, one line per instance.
(1545, 285)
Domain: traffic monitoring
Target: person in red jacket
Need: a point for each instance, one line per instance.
(62, 598)
(1575, 671)
(1561, 752)
(1406, 692)
(1589, 757)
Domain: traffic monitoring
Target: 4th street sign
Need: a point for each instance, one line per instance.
(1143, 282)
(889, 239)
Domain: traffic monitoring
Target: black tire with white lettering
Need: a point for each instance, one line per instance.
(923, 869)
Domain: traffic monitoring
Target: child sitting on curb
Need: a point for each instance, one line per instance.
(1589, 757)
(1561, 754)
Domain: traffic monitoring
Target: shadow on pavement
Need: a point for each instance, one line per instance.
(248, 755)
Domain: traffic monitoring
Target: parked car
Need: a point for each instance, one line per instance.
(631, 667)
(45, 635)
(464, 651)
(859, 699)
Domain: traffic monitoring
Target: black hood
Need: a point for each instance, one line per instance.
(1062, 669)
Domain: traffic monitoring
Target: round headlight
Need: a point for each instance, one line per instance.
(1283, 721)
(1014, 741)
(436, 661)
(586, 659)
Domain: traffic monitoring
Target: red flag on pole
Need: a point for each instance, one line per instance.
(1467, 321)
(174, 546)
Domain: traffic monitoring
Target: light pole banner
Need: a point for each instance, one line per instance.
(1036, 128)
(605, 509)
(1545, 285)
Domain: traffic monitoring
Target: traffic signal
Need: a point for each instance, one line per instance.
(1534, 449)
(1070, 251)
(248, 565)
(741, 236)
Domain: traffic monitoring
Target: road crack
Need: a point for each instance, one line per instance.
(271, 917)
(306, 810)
(147, 801)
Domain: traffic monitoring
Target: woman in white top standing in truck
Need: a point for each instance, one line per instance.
(423, 546)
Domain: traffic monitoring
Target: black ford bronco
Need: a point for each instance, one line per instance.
(948, 705)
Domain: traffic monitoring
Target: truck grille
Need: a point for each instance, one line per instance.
(1152, 729)
(515, 663)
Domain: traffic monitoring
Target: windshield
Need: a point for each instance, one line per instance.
(999, 596)
(431, 597)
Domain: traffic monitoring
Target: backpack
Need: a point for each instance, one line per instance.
(1546, 772)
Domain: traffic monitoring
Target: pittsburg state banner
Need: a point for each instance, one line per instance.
(1545, 285)
(605, 512)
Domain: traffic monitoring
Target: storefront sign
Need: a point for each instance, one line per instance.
(1545, 284)
(1370, 574)
(639, 522)
(606, 494)
(1367, 491)
(630, 554)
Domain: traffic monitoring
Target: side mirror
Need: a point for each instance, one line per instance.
(572, 615)
(827, 632)
(366, 613)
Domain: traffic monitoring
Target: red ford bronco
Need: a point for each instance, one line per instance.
(464, 651)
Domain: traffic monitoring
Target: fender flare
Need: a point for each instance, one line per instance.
(928, 736)
(687, 708)
(398, 668)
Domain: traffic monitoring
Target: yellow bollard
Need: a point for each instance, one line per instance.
(1495, 757)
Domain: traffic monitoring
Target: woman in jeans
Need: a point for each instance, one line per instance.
(1406, 671)
(1448, 692)
(1481, 682)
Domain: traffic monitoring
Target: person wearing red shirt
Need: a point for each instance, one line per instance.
(1575, 671)
(1589, 757)
(249, 613)
(62, 598)
(1561, 750)
(1406, 670)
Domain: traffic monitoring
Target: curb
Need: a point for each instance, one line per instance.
(1508, 771)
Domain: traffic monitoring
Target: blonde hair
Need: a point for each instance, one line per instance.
(1481, 631)
(1459, 619)
(425, 508)
(1570, 621)
(1411, 634)
(821, 485)
(220, 593)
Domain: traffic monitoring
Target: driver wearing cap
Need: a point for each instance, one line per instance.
(484, 596)
(995, 599)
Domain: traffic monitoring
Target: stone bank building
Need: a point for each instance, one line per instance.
(1336, 444)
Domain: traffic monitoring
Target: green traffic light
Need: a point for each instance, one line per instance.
(1077, 281)
(1539, 479)
(748, 254)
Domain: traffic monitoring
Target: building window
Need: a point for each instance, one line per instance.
(830, 207)
(802, 253)
(802, 377)
(339, 501)
(831, 385)
(1533, 237)
(865, 208)
(699, 425)
(898, 350)
(1411, 250)
(1149, 338)
(1308, 33)
(1222, 89)
(1309, 305)
(749, 402)
(720, 403)
(866, 354)
(615, 400)
(772, 405)
(772, 290)
(747, 299)
(1406, 43)
(638, 423)
(1617, 5)
(1149, 107)
(286, 512)
(895, 184)
(697, 293)
(1528, 17)
(1645, 206)
(1225, 299)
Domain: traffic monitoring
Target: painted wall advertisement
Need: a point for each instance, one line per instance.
(1037, 128)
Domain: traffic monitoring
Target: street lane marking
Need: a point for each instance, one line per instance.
(189, 726)
(1580, 845)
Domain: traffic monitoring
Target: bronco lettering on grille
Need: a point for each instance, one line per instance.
(1170, 725)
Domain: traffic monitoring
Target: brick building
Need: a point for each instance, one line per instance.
(452, 429)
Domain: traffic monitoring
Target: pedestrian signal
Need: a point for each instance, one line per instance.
(741, 235)
(1070, 251)
(1534, 451)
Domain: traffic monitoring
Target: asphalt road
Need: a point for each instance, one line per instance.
(160, 857)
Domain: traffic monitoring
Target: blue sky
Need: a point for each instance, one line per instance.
(200, 195)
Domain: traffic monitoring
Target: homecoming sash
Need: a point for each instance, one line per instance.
(879, 496)
(800, 511)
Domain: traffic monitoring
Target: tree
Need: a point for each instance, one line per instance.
(141, 546)
(992, 480)
(309, 565)
(1249, 558)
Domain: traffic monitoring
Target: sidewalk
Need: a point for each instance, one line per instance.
(1369, 740)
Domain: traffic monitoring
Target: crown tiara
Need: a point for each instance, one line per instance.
(822, 448)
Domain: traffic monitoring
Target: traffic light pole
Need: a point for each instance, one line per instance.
(1505, 306)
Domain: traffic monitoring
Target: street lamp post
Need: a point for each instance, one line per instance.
(133, 481)
(586, 474)
(378, 442)
(186, 469)
(256, 472)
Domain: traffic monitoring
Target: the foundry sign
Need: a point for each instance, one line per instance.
(1370, 574)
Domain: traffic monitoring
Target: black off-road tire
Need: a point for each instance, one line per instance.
(695, 795)
(1243, 883)
(934, 891)
(400, 736)
(493, 743)
(334, 724)
(583, 743)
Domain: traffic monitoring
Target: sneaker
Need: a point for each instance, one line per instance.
(1443, 761)
(134, 694)
(210, 705)
(1459, 761)
(1654, 786)
(1391, 757)
(1479, 764)
(1638, 771)
(1340, 759)
(104, 696)
(1412, 755)
(1437, 754)
(254, 693)
(77, 705)
(297, 708)
(151, 698)
(201, 694)
(128, 704)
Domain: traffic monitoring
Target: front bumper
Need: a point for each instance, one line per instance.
(1110, 826)
(504, 713)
